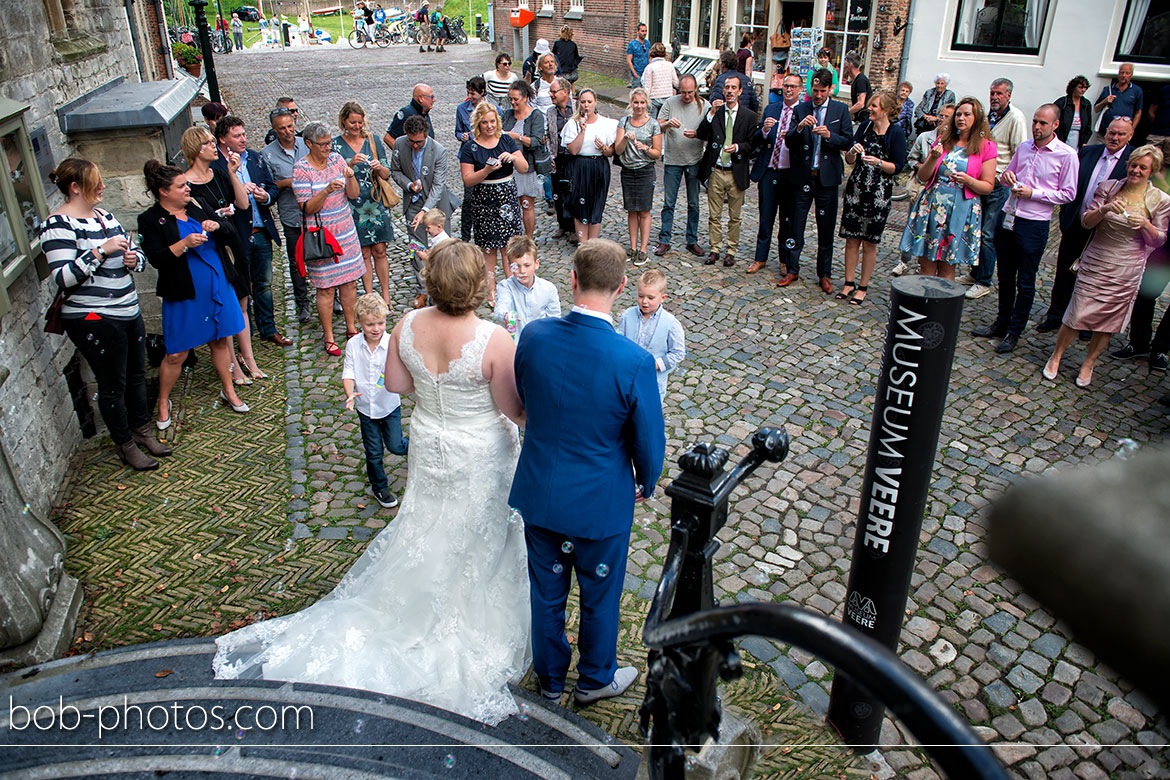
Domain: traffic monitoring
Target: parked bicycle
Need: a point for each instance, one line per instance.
(360, 35)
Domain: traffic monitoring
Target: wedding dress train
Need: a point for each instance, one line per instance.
(436, 609)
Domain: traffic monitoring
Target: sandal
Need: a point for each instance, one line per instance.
(255, 373)
(841, 296)
(860, 289)
(332, 348)
(351, 334)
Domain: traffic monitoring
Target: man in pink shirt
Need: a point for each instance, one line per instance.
(1042, 175)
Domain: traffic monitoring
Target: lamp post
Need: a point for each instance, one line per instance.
(200, 7)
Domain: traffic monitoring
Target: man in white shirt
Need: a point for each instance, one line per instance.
(1098, 163)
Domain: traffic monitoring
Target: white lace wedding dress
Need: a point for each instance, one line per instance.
(436, 609)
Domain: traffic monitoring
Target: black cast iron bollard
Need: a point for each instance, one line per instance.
(907, 413)
(200, 7)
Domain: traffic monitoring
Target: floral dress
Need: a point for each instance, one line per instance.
(867, 193)
(943, 225)
(374, 221)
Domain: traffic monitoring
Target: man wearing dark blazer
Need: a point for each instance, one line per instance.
(726, 166)
(1098, 163)
(593, 445)
(821, 130)
(255, 225)
(773, 171)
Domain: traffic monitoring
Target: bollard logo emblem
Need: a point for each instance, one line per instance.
(861, 610)
(860, 710)
(932, 334)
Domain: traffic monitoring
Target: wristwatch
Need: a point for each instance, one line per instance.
(100, 252)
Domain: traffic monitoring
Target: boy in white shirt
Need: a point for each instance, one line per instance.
(379, 411)
(434, 222)
(523, 296)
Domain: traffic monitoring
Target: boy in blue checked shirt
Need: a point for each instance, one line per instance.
(653, 328)
(523, 296)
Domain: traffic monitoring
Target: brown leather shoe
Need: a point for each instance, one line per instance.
(711, 258)
(756, 266)
(695, 250)
(786, 280)
(661, 249)
(279, 339)
(419, 301)
(728, 261)
(827, 285)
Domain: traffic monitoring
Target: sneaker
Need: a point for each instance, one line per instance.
(1128, 351)
(900, 268)
(641, 258)
(978, 291)
(1158, 361)
(385, 497)
(550, 696)
(623, 678)
(966, 279)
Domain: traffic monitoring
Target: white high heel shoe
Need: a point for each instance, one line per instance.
(243, 408)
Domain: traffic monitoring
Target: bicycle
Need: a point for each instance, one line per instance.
(221, 42)
(458, 34)
(360, 35)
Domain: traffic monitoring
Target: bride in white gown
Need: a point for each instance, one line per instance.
(436, 609)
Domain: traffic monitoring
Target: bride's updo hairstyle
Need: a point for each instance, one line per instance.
(454, 277)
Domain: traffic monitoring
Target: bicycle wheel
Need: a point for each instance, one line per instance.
(356, 39)
(460, 36)
(382, 37)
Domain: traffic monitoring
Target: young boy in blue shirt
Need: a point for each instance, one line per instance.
(653, 328)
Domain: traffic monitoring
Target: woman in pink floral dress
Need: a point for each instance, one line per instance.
(323, 183)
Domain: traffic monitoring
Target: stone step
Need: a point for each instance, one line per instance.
(147, 710)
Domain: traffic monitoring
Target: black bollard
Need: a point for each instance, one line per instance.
(908, 407)
(200, 7)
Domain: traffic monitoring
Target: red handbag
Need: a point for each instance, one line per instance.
(316, 244)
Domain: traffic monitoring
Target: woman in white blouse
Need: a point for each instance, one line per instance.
(589, 137)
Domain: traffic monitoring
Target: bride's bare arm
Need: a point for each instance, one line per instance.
(398, 378)
(500, 372)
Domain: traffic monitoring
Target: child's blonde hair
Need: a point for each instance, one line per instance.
(370, 305)
(435, 218)
(653, 279)
(518, 246)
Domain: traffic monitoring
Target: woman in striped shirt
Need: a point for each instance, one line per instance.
(90, 258)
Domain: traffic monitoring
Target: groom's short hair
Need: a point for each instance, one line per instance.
(600, 265)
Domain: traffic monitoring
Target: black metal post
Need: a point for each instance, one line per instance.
(200, 7)
(908, 408)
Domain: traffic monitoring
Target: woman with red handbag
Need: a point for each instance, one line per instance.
(323, 184)
(90, 259)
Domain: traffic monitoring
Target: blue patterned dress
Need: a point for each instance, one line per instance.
(943, 225)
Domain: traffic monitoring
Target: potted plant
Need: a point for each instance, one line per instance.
(189, 58)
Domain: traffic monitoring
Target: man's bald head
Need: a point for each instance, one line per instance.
(424, 96)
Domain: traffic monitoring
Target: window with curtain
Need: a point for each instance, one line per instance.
(1145, 32)
(1009, 26)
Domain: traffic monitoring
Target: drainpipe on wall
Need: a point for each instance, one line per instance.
(163, 39)
(906, 41)
(129, 6)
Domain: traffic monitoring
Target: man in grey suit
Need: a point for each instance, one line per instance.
(419, 165)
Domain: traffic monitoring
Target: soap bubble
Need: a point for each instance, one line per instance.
(790, 243)
(602, 570)
(449, 761)
(523, 712)
(218, 751)
(1128, 448)
(26, 509)
(567, 548)
(239, 734)
(357, 729)
(557, 568)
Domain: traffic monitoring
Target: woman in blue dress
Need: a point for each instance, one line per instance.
(195, 282)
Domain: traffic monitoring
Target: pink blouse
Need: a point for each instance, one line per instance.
(974, 165)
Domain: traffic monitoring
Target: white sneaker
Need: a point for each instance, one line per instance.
(623, 678)
(900, 269)
(966, 279)
(978, 291)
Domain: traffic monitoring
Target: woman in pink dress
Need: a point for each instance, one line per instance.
(322, 183)
(1130, 217)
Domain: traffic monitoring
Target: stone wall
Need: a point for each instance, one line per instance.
(47, 70)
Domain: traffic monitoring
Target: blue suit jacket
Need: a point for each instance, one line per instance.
(763, 143)
(594, 427)
(800, 141)
(1090, 156)
(262, 177)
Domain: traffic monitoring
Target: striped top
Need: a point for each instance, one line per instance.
(91, 283)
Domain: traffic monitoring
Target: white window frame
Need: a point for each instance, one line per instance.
(945, 51)
(1108, 67)
(28, 250)
(577, 6)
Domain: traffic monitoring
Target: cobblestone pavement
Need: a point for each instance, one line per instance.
(759, 355)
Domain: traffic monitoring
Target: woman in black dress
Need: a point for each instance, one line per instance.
(877, 154)
(486, 163)
(568, 58)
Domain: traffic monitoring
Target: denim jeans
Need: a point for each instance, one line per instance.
(1019, 250)
(672, 175)
(378, 437)
(992, 206)
(260, 271)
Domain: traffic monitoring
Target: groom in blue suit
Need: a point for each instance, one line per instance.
(593, 443)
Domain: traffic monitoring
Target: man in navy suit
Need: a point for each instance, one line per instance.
(773, 172)
(1098, 162)
(593, 444)
(821, 130)
(255, 224)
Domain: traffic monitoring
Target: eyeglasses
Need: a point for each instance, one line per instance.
(326, 142)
